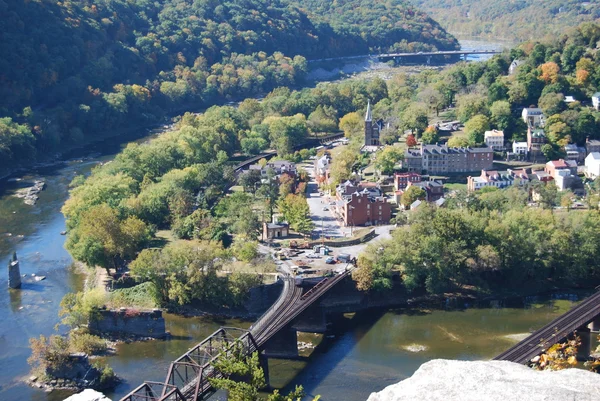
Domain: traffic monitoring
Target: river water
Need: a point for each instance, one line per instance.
(366, 353)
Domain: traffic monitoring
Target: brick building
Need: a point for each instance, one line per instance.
(536, 138)
(401, 180)
(440, 159)
(362, 204)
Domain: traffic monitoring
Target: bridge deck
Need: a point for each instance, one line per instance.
(554, 332)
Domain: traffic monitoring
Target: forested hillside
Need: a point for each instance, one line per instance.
(76, 69)
(381, 25)
(513, 20)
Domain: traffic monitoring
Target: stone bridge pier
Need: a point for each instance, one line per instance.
(586, 335)
(283, 345)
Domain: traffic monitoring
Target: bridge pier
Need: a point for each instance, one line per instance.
(283, 345)
(585, 348)
(313, 320)
(594, 325)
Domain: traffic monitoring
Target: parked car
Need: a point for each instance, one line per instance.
(330, 261)
(325, 209)
(320, 193)
(331, 203)
(313, 256)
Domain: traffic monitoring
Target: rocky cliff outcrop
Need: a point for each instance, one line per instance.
(446, 380)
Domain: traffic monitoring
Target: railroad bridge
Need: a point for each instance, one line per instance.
(400, 57)
(581, 320)
(273, 335)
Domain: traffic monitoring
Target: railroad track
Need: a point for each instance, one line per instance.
(553, 332)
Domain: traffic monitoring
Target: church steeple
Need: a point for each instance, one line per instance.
(368, 116)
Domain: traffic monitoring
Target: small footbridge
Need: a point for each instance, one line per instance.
(581, 320)
(189, 376)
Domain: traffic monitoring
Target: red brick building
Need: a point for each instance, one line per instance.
(359, 209)
(401, 180)
(362, 204)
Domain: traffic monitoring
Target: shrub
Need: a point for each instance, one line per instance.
(139, 296)
(88, 343)
(107, 375)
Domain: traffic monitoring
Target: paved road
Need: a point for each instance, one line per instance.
(325, 223)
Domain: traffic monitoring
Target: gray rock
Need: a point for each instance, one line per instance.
(88, 395)
(444, 380)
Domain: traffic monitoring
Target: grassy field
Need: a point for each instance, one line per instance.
(455, 187)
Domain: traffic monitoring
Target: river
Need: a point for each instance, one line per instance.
(366, 353)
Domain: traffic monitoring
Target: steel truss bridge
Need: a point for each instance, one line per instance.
(188, 378)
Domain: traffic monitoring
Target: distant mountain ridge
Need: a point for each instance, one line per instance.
(513, 20)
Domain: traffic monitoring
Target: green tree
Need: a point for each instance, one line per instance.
(410, 195)
(475, 128)
(387, 158)
(414, 118)
(430, 135)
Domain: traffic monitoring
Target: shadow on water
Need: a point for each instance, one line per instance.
(335, 346)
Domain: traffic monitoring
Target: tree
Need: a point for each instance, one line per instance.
(386, 159)
(242, 376)
(341, 166)
(549, 72)
(430, 135)
(458, 142)
(295, 210)
(475, 128)
(270, 191)
(410, 195)
(250, 180)
(411, 141)
(352, 124)
(101, 239)
(501, 116)
(414, 118)
(551, 103)
(470, 105)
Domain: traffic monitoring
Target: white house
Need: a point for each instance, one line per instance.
(494, 139)
(513, 66)
(533, 117)
(596, 100)
(520, 148)
(592, 165)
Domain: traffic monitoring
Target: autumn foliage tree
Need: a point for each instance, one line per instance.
(411, 141)
(549, 72)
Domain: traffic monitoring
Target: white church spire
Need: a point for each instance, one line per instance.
(368, 116)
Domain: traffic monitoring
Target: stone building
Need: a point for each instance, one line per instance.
(536, 138)
(275, 230)
(372, 129)
(440, 159)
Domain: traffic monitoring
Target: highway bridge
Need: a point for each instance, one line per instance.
(406, 55)
(188, 378)
(580, 320)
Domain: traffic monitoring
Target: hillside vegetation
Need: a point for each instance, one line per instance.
(512, 20)
(77, 69)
